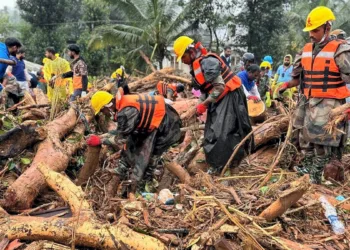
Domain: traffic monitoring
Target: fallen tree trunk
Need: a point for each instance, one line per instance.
(52, 152)
(287, 199)
(90, 165)
(82, 229)
(270, 131)
(19, 138)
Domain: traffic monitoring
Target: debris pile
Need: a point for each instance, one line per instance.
(57, 193)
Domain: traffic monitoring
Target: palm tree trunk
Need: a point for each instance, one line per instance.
(217, 41)
(210, 37)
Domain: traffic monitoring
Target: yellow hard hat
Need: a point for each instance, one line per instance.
(99, 100)
(317, 17)
(180, 46)
(265, 64)
(119, 71)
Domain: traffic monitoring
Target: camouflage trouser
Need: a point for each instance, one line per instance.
(315, 159)
(124, 171)
(316, 144)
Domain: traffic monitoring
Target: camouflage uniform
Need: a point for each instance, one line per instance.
(264, 86)
(311, 115)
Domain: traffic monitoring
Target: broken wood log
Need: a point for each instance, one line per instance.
(150, 80)
(83, 229)
(19, 138)
(21, 194)
(270, 131)
(147, 60)
(287, 199)
(179, 171)
(40, 97)
(90, 165)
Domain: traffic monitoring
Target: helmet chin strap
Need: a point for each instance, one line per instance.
(325, 32)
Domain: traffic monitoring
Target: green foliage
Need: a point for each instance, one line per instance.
(150, 25)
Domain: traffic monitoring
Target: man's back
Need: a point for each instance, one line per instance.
(4, 54)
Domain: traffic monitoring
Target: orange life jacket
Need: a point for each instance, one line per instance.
(151, 108)
(162, 88)
(322, 77)
(232, 81)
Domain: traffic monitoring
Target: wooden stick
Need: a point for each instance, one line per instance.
(193, 127)
(277, 159)
(143, 55)
(248, 136)
(34, 106)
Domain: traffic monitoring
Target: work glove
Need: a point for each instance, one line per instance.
(83, 94)
(201, 108)
(93, 140)
(254, 98)
(283, 87)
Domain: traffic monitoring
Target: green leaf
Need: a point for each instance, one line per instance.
(264, 189)
(274, 179)
(12, 165)
(26, 161)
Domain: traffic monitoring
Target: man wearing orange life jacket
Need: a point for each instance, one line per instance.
(224, 100)
(169, 91)
(79, 73)
(146, 124)
(321, 69)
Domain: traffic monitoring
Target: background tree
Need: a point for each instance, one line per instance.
(147, 25)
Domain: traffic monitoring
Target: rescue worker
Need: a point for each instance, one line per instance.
(226, 56)
(12, 93)
(269, 59)
(322, 69)
(247, 59)
(169, 91)
(146, 124)
(222, 97)
(248, 78)
(10, 47)
(264, 83)
(53, 68)
(79, 73)
(19, 70)
(338, 34)
(119, 76)
(283, 75)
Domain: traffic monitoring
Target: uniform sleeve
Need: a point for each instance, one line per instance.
(297, 67)
(127, 120)
(342, 59)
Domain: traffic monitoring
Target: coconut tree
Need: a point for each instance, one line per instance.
(149, 26)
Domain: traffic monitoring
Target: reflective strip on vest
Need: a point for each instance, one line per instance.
(322, 78)
(151, 108)
(231, 81)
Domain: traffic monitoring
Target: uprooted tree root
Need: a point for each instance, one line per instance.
(82, 229)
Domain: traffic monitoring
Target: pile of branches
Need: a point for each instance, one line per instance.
(262, 205)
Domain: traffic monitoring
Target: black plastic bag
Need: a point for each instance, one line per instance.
(227, 124)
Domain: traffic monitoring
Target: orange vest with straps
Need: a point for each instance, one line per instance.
(162, 88)
(232, 81)
(321, 74)
(151, 108)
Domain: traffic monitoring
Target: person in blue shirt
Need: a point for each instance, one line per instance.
(248, 78)
(283, 75)
(19, 70)
(10, 47)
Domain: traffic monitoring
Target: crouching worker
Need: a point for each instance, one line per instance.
(147, 127)
(169, 91)
(224, 100)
